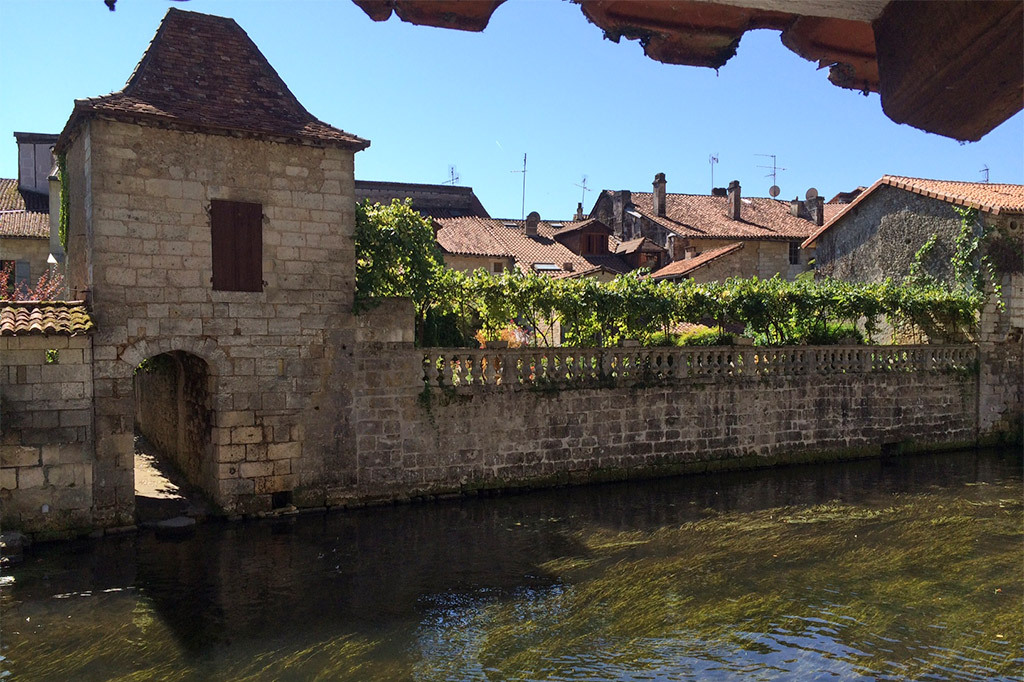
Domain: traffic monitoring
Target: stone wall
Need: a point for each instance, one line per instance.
(172, 410)
(140, 245)
(511, 418)
(46, 432)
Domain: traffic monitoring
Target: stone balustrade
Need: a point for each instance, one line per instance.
(569, 367)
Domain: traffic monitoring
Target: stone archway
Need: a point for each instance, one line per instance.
(174, 415)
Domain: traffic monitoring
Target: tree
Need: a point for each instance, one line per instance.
(397, 255)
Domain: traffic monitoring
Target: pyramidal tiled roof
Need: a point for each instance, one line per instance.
(67, 318)
(203, 72)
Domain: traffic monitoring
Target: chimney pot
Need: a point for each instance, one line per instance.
(530, 226)
(734, 202)
(579, 211)
(794, 208)
(658, 196)
(567, 266)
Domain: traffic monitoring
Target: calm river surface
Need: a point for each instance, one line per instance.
(888, 569)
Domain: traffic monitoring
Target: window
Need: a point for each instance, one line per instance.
(236, 238)
(595, 244)
(794, 253)
(497, 267)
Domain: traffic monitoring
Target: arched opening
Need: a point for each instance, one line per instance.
(173, 419)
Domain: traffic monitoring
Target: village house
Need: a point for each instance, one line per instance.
(432, 201)
(577, 248)
(880, 233)
(25, 218)
(690, 225)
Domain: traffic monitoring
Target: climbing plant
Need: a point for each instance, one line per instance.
(65, 200)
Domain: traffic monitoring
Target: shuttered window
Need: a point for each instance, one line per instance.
(237, 245)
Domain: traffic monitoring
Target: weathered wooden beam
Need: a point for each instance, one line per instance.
(954, 68)
(464, 15)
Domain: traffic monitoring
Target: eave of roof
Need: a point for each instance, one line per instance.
(64, 318)
(688, 265)
(934, 189)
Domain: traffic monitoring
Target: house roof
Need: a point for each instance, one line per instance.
(699, 216)
(634, 245)
(436, 201)
(68, 318)
(505, 239)
(580, 225)
(988, 197)
(202, 72)
(686, 266)
(15, 219)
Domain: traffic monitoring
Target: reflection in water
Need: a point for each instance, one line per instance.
(886, 569)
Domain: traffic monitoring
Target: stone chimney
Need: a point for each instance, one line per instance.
(658, 203)
(620, 200)
(568, 266)
(530, 226)
(579, 212)
(733, 199)
(816, 209)
(794, 207)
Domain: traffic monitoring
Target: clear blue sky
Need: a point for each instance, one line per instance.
(539, 80)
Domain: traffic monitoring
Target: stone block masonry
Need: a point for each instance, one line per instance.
(140, 247)
(463, 420)
(46, 433)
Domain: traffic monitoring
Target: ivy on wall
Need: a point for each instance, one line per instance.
(65, 193)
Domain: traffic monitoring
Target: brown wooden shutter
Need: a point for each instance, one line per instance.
(236, 240)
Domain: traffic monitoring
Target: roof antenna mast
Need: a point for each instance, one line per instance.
(524, 185)
(984, 171)
(453, 176)
(713, 159)
(774, 190)
(583, 195)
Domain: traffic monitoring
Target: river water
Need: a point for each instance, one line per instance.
(902, 568)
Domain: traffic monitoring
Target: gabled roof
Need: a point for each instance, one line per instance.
(581, 225)
(68, 318)
(15, 219)
(686, 266)
(435, 201)
(987, 197)
(202, 72)
(699, 216)
(638, 244)
(505, 239)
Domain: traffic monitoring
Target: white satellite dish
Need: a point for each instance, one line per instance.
(811, 194)
(774, 191)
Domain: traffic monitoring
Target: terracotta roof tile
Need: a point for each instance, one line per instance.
(505, 238)
(688, 265)
(634, 245)
(67, 318)
(202, 72)
(701, 216)
(988, 197)
(15, 220)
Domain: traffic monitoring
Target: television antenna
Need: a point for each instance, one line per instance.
(713, 159)
(453, 176)
(583, 185)
(775, 170)
(524, 184)
(984, 171)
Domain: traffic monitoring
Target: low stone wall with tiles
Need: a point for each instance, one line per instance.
(489, 419)
(46, 432)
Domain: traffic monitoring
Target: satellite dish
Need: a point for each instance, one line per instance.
(811, 194)
(774, 191)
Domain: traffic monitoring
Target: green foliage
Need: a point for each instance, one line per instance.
(65, 200)
(397, 255)
(705, 336)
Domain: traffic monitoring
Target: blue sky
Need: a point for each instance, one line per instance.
(540, 80)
